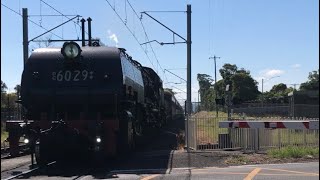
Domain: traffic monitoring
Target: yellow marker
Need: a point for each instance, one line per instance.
(297, 172)
(252, 174)
(150, 177)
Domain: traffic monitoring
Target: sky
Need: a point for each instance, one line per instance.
(277, 41)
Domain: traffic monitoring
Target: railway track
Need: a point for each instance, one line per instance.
(24, 172)
(53, 170)
(23, 150)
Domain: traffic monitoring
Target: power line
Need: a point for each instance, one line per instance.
(146, 35)
(49, 15)
(177, 69)
(130, 31)
(165, 11)
(30, 20)
(11, 9)
(62, 14)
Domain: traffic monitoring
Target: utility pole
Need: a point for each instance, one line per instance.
(294, 86)
(25, 35)
(188, 42)
(215, 79)
(189, 58)
(188, 70)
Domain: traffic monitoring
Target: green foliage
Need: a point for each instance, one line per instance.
(279, 88)
(312, 83)
(220, 87)
(294, 152)
(4, 134)
(277, 94)
(241, 84)
(244, 87)
(3, 87)
(228, 70)
(17, 89)
(206, 92)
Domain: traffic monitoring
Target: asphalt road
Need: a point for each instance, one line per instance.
(294, 171)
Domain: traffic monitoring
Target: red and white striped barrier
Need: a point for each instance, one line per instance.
(270, 124)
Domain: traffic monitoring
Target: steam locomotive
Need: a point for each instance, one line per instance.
(89, 99)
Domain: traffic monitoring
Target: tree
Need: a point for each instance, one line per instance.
(278, 88)
(206, 93)
(278, 94)
(3, 94)
(312, 83)
(244, 87)
(18, 89)
(241, 84)
(3, 87)
(228, 70)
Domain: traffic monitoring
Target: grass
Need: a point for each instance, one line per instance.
(294, 152)
(238, 159)
(4, 136)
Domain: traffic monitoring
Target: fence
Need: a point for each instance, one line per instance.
(266, 109)
(205, 134)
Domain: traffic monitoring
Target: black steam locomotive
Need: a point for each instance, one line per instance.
(91, 99)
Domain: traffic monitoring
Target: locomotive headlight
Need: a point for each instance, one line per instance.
(98, 139)
(70, 50)
(26, 141)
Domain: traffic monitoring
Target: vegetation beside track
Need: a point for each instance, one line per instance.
(294, 152)
(275, 156)
(4, 134)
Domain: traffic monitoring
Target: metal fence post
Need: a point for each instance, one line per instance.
(279, 139)
(305, 137)
(256, 140)
(245, 135)
(289, 137)
(196, 134)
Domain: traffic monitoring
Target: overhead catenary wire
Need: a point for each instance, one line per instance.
(31, 21)
(166, 11)
(144, 30)
(61, 13)
(130, 32)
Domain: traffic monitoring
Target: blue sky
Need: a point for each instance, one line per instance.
(269, 38)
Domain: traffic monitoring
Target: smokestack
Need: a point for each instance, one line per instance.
(89, 30)
(83, 35)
